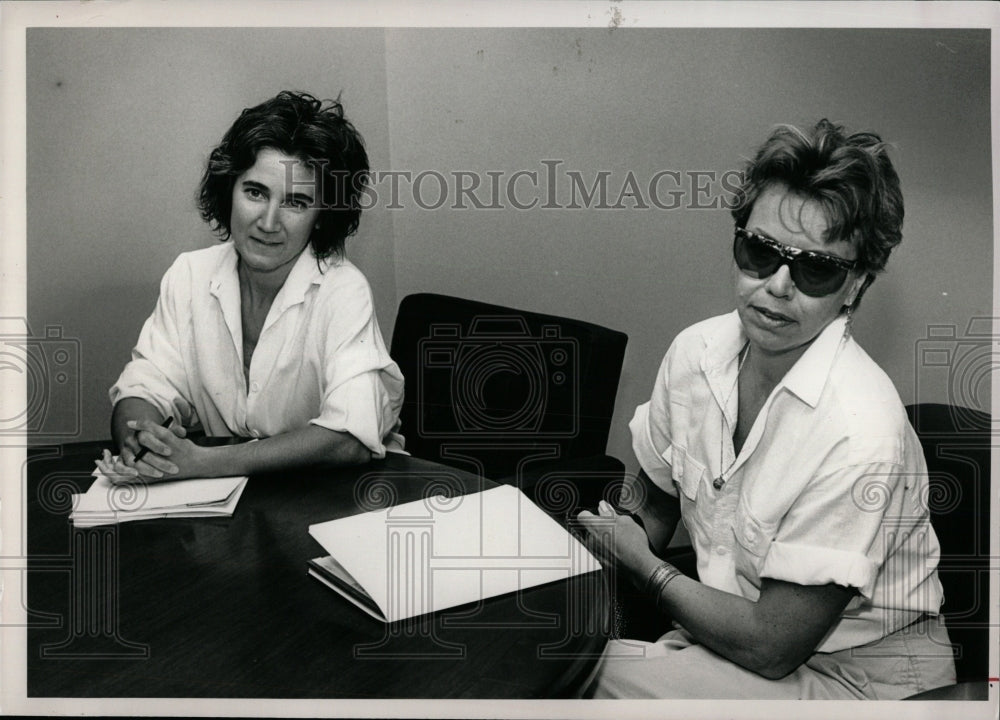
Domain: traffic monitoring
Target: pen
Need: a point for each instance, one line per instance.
(139, 455)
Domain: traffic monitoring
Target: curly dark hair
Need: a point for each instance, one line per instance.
(849, 175)
(298, 125)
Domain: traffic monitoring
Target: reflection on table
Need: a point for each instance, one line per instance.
(225, 608)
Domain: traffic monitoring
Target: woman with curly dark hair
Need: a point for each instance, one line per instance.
(272, 333)
(787, 453)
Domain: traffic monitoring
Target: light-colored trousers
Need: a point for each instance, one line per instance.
(908, 661)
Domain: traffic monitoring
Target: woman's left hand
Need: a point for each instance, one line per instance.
(169, 456)
(620, 539)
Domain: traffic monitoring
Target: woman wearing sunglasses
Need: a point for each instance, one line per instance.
(787, 453)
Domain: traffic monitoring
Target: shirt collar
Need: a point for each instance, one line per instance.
(806, 379)
(305, 273)
(224, 285)
(723, 344)
(223, 278)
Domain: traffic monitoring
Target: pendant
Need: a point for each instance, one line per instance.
(718, 482)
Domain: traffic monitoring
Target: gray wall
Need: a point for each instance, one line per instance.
(120, 122)
(687, 100)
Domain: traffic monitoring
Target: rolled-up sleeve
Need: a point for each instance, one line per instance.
(362, 387)
(836, 532)
(650, 427)
(156, 372)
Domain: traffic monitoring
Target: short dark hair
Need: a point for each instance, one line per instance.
(298, 125)
(849, 175)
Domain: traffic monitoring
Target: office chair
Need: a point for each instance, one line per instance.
(518, 396)
(956, 443)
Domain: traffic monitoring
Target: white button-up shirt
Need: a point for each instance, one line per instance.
(829, 487)
(320, 357)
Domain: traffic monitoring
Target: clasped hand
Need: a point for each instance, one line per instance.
(618, 538)
(170, 455)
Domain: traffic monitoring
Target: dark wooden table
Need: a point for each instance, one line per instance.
(224, 607)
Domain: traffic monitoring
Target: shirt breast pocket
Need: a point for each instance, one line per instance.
(753, 540)
(690, 477)
(688, 472)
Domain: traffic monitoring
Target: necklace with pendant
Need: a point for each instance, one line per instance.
(721, 480)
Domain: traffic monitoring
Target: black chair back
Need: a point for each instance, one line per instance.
(494, 382)
(956, 443)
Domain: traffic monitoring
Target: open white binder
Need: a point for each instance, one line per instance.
(438, 553)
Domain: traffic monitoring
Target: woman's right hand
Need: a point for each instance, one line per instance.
(657, 511)
(112, 467)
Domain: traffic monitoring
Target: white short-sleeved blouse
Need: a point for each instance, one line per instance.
(829, 487)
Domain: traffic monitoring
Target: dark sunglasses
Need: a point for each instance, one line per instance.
(815, 274)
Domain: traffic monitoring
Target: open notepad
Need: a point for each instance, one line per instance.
(438, 553)
(106, 503)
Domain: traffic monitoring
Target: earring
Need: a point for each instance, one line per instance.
(850, 319)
